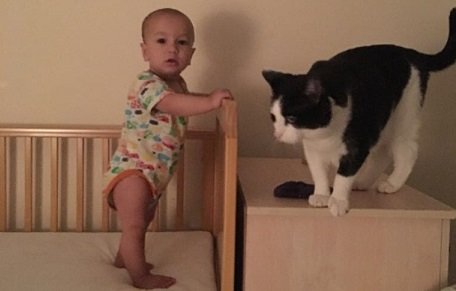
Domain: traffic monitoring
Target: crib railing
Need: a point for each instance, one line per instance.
(51, 138)
(55, 135)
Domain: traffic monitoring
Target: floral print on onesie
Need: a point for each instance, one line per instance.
(151, 140)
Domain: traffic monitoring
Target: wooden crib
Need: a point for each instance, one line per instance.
(57, 232)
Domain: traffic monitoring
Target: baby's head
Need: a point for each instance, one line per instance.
(166, 13)
(168, 38)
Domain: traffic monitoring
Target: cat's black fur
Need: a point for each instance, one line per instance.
(371, 80)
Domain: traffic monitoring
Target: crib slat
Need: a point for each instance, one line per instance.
(155, 225)
(208, 184)
(80, 170)
(28, 187)
(3, 184)
(180, 192)
(54, 154)
(105, 158)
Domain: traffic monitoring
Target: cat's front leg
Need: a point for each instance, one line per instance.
(349, 166)
(319, 167)
(338, 203)
(319, 200)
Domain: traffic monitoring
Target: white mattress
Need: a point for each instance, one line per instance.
(83, 261)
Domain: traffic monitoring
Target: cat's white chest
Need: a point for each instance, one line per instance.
(328, 143)
(329, 149)
(328, 139)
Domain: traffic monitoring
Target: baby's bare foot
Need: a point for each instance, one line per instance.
(151, 281)
(149, 266)
(118, 262)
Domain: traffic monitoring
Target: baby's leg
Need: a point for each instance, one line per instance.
(132, 197)
(119, 262)
(150, 213)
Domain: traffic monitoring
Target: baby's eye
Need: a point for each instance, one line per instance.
(161, 40)
(183, 42)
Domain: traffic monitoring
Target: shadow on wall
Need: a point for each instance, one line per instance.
(227, 40)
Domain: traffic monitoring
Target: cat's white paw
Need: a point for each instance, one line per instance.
(317, 200)
(387, 187)
(338, 207)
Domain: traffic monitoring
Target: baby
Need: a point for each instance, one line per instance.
(152, 136)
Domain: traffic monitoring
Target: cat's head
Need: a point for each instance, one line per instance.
(298, 103)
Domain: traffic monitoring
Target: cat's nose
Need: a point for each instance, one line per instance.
(273, 118)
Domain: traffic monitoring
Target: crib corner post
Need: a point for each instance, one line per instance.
(2, 183)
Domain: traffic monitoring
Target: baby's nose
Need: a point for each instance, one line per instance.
(172, 47)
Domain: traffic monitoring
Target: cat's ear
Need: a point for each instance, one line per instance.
(313, 89)
(272, 77)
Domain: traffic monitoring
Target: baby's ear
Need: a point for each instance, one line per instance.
(314, 89)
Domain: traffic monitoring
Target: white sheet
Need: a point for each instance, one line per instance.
(83, 261)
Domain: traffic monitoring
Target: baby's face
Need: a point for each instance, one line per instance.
(168, 45)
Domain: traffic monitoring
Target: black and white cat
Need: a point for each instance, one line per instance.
(358, 111)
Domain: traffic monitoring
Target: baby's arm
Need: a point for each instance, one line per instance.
(192, 104)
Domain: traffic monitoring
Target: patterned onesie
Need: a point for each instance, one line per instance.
(151, 140)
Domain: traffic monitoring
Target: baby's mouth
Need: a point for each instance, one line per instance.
(172, 62)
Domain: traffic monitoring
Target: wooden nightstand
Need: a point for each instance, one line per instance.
(386, 242)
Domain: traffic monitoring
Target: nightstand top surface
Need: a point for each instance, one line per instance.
(259, 177)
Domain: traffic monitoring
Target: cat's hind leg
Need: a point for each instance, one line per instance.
(375, 164)
(404, 126)
(405, 153)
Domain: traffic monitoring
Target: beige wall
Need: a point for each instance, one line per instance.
(72, 61)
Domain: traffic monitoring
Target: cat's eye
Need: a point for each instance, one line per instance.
(290, 119)
(273, 118)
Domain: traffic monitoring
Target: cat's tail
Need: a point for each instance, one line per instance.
(447, 56)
